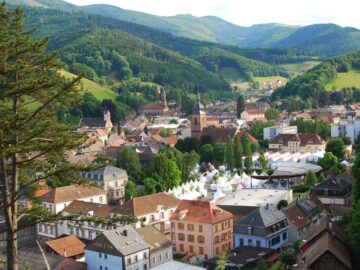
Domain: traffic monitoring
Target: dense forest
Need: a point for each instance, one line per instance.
(54, 23)
(311, 85)
(326, 40)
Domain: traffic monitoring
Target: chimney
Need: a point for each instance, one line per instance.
(124, 233)
(267, 206)
(65, 253)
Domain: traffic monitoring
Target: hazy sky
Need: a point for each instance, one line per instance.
(248, 12)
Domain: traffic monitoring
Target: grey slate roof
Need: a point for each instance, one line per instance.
(92, 122)
(335, 187)
(107, 173)
(259, 219)
(128, 244)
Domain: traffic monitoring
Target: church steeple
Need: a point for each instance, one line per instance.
(198, 118)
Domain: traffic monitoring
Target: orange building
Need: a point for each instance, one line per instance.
(202, 229)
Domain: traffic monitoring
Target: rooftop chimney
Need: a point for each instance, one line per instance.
(124, 233)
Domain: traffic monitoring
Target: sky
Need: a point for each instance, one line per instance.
(249, 12)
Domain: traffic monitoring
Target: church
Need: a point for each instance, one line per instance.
(156, 108)
(206, 130)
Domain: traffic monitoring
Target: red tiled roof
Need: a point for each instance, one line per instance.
(81, 207)
(69, 264)
(296, 216)
(254, 111)
(171, 140)
(251, 138)
(304, 139)
(68, 246)
(146, 204)
(70, 193)
(200, 211)
(153, 106)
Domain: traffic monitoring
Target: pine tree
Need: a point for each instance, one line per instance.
(238, 154)
(229, 152)
(246, 143)
(32, 142)
(240, 106)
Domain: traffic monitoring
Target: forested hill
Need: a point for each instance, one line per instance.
(315, 82)
(56, 23)
(327, 40)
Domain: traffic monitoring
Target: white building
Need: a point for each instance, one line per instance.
(346, 128)
(57, 199)
(121, 248)
(256, 197)
(155, 209)
(271, 132)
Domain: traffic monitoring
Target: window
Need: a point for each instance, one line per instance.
(223, 248)
(145, 266)
(116, 184)
(223, 226)
(129, 260)
(190, 238)
(181, 237)
(181, 247)
(217, 239)
(201, 239)
(180, 226)
(145, 255)
(284, 236)
(172, 225)
(223, 236)
(162, 215)
(173, 238)
(201, 250)
(241, 241)
(200, 228)
(100, 199)
(190, 227)
(191, 249)
(217, 251)
(100, 267)
(167, 255)
(100, 255)
(105, 256)
(216, 228)
(152, 218)
(160, 258)
(250, 242)
(136, 258)
(258, 243)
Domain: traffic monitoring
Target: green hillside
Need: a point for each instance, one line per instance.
(56, 24)
(345, 79)
(326, 40)
(339, 72)
(296, 69)
(98, 91)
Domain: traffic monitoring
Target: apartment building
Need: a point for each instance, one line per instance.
(59, 198)
(294, 143)
(202, 229)
(111, 179)
(155, 209)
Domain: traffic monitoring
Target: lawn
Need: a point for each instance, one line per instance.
(231, 74)
(269, 79)
(299, 68)
(99, 92)
(348, 79)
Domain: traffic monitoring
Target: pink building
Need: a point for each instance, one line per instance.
(202, 229)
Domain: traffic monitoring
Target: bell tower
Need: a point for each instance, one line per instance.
(198, 119)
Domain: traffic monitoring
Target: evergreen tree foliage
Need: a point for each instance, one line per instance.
(32, 142)
(128, 160)
(240, 107)
(238, 153)
(229, 151)
(337, 147)
(130, 190)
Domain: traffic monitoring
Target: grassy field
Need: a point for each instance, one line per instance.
(231, 74)
(99, 92)
(348, 79)
(299, 68)
(269, 79)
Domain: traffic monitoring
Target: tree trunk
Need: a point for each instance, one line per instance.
(12, 249)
